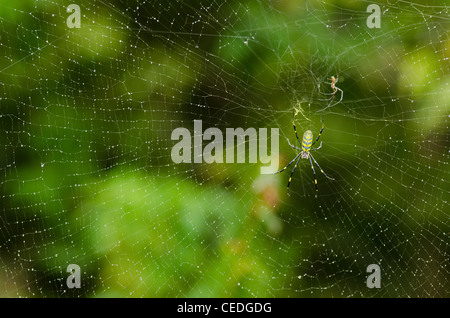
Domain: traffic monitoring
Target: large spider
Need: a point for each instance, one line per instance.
(305, 152)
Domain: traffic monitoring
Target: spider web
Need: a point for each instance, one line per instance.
(87, 176)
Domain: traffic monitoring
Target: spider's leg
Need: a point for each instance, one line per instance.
(293, 124)
(320, 132)
(342, 95)
(329, 104)
(320, 168)
(290, 177)
(292, 145)
(287, 164)
(320, 146)
(314, 172)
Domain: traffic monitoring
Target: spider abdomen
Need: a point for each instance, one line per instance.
(307, 141)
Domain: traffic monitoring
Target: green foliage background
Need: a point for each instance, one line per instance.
(86, 175)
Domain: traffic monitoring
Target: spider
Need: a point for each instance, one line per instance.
(305, 152)
(334, 80)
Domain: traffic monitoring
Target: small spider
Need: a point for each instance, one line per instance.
(305, 153)
(334, 80)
